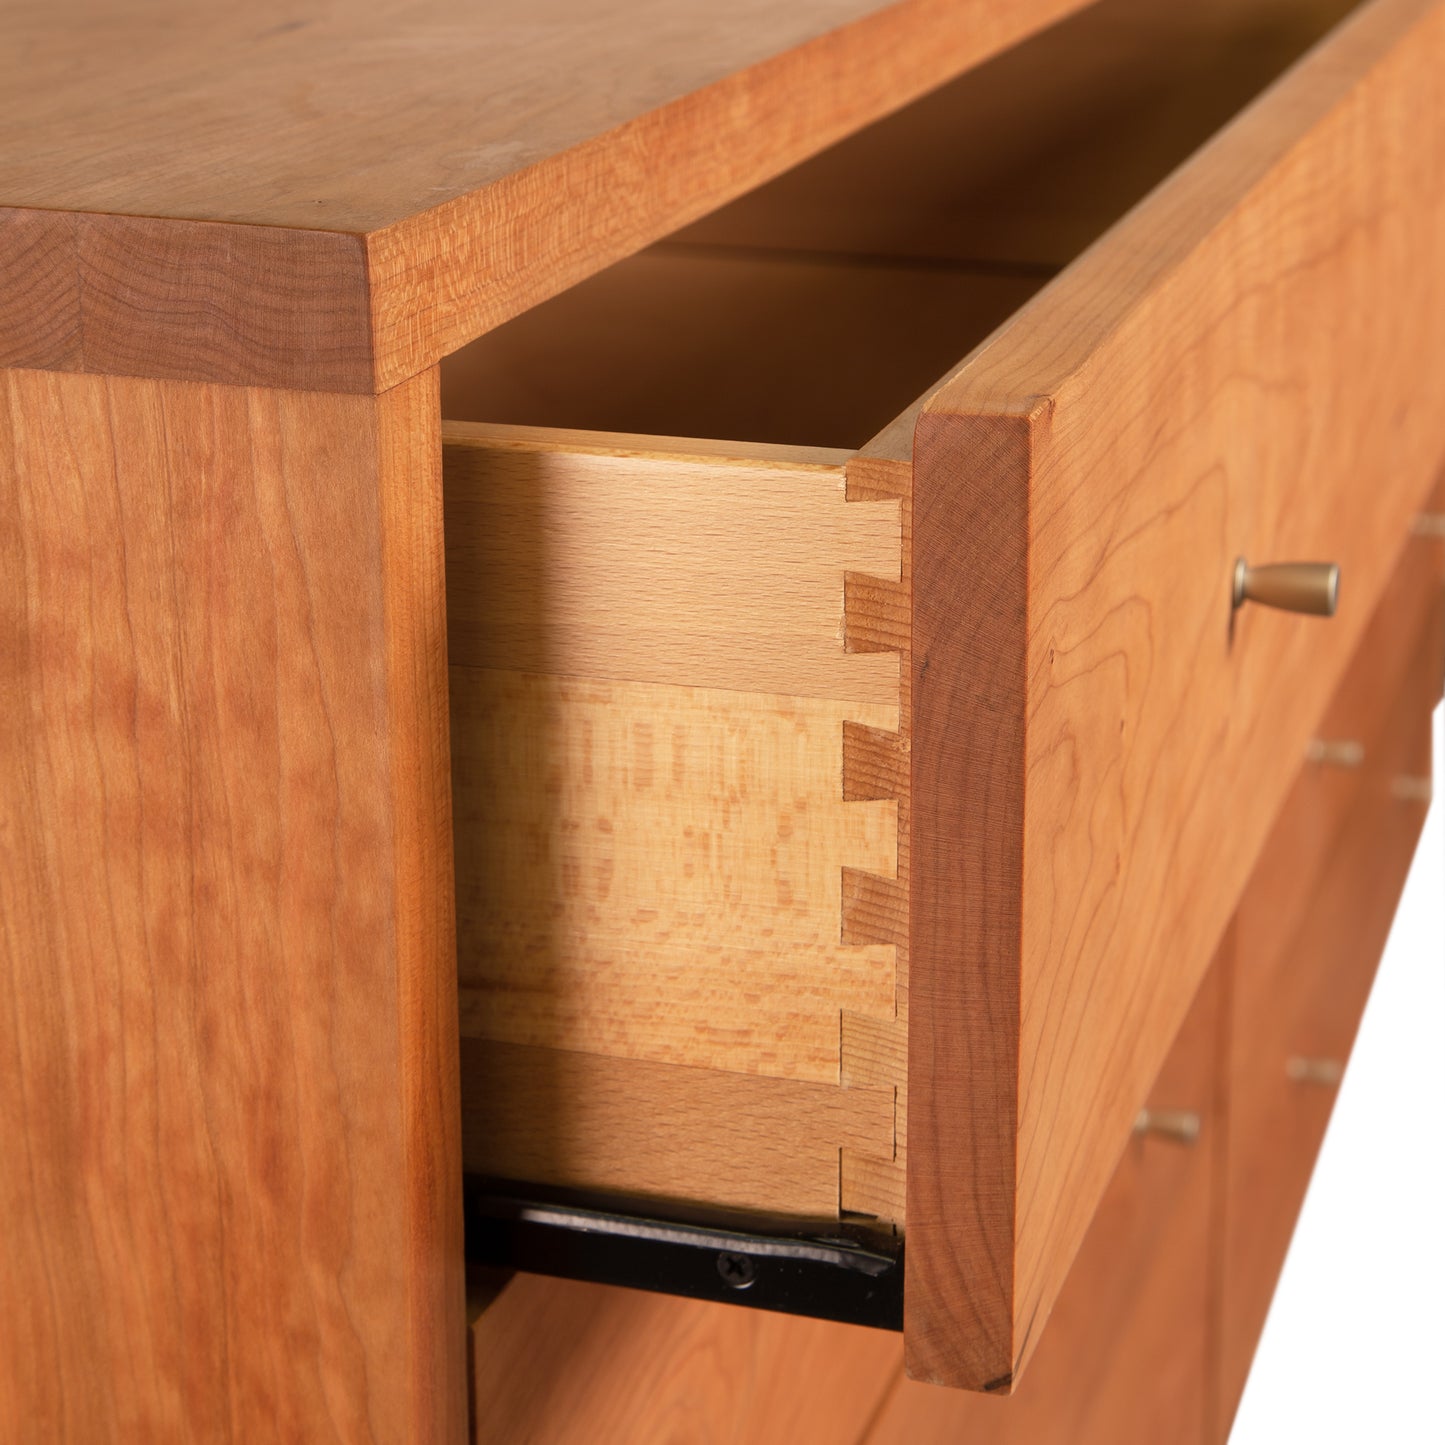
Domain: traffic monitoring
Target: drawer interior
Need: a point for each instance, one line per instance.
(816, 309)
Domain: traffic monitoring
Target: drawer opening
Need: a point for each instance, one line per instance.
(816, 309)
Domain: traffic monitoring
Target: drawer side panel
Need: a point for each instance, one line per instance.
(675, 685)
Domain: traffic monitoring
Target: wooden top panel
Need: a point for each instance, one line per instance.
(489, 156)
(344, 117)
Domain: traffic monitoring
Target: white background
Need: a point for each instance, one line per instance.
(1354, 1349)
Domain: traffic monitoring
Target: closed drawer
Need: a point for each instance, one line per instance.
(844, 824)
(1305, 955)
(1398, 665)
(562, 1362)
(1125, 1359)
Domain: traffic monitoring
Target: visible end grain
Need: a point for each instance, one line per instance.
(875, 764)
(877, 618)
(970, 618)
(181, 300)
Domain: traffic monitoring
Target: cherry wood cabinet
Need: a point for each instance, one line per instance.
(673, 606)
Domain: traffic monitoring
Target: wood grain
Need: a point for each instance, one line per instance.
(1098, 755)
(228, 1017)
(1299, 994)
(1123, 1360)
(693, 571)
(659, 873)
(661, 1131)
(560, 1363)
(481, 163)
(574, 440)
(875, 763)
(966, 907)
(137, 296)
(413, 579)
(873, 1053)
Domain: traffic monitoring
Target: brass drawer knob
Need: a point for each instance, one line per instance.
(1180, 1125)
(1327, 1072)
(1309, 587)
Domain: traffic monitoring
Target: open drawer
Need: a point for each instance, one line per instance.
(847, 813)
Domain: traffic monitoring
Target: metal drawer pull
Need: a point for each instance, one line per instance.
(1413, 790)
(1328, 1072)
(1309, 587)
(1180, 1125)
(1335, 752)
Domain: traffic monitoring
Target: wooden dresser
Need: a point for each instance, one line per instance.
(792, 636)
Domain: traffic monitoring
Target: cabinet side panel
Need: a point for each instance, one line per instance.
(221, 811)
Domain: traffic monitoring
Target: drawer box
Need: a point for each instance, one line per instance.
(846, 814)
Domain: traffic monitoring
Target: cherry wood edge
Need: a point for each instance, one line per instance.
(969, 695)
(325, 310)
(414, 581)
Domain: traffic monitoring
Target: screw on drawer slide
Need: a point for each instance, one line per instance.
(831, 1269)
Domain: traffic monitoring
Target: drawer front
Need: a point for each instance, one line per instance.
(1396, 669)
(1247, 366)
(1123, 1359)
(1298, 994)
